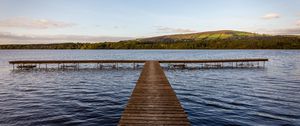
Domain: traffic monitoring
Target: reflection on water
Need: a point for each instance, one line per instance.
(269, 96)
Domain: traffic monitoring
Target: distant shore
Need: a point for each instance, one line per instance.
(161, 45)
(225, 39)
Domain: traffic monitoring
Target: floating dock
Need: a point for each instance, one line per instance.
(75, 64)
(153, 101)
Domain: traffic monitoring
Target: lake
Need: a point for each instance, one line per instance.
(265, 96)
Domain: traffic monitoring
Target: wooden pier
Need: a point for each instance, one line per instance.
(75, 64)
(153, 101)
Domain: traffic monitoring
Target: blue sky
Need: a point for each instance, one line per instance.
(31, 21)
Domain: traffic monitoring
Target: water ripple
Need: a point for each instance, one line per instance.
(247, 97)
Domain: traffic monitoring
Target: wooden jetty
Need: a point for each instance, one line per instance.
(153, 101)
(75, 64)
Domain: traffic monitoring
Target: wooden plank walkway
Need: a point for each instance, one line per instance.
(153, 101)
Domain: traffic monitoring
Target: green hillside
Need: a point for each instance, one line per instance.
(211, 35)
(224, 39)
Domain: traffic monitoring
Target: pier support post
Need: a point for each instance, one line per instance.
(134, 66)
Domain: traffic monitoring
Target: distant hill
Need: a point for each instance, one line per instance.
(225, 39)
(210, 35)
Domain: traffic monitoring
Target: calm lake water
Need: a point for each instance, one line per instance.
(269, 96)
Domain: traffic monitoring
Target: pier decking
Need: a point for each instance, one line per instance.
(153, 101)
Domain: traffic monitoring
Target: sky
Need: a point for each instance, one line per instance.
(51, 21)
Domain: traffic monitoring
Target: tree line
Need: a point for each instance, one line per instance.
(256, 42)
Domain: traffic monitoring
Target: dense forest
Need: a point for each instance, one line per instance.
(207, 40)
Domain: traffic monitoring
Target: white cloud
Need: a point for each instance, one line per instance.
(271, 16)
(30, 23)
(289, 31)
(298, 23)
(174, 30)
(283, 31)
(10, 38)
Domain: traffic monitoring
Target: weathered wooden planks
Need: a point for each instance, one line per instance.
(153, 101)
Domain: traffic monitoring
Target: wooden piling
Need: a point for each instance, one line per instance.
(214, 62)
